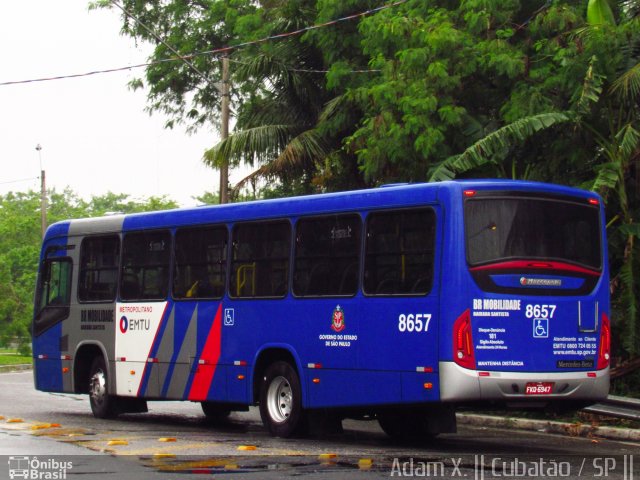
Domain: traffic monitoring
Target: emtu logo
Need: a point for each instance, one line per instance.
(124, 324)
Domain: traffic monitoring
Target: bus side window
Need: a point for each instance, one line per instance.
(200, 263)
(99, 262)
(53, 294)
(327, 256)
(145, 266)
(56, 285)
(260, 260)
(399, 252)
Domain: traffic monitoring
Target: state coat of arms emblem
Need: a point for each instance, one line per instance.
(337, 320)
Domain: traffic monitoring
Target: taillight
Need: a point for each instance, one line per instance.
(605, 343)
(463, 353)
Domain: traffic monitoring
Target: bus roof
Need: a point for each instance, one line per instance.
(387, 196)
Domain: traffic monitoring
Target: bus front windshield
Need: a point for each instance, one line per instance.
(508, 228)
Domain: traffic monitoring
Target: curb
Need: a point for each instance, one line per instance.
(15, 368)
(545, 426)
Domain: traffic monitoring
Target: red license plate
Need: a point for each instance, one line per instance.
(538, 388)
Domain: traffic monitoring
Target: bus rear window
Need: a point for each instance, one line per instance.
(499, 229)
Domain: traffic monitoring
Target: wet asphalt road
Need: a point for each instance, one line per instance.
(174, 440)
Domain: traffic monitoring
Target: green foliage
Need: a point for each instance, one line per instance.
(15, 358)
(186, 91)
(628, 302)
(208, 198)
(599, 12)
(628, 85)
(494, 147)
(627, 386)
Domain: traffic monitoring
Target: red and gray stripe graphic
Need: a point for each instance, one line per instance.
(208, 361)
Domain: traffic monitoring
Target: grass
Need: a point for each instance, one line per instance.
(11, 357)
(575, 417)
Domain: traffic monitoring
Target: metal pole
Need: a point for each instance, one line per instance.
(43, 194)
(43, 202)
(224, 130)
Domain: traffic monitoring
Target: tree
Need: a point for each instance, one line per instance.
(420, 90)
(20, 239)
(181, 85)
(275, 127)
(602, 124)
(618, 172)
(185, 72)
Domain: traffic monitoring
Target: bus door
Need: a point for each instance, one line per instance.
(52, 307)
(397, 343)
(539, 303)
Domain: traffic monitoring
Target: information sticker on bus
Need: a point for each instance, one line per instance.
(538, 388)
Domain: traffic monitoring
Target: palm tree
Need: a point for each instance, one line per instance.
(275, 128)
(496, 146)
(619, 173)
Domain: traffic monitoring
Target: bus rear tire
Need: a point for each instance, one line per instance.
(408, 424)
(103, 404)
(213, 411)
(281, 401)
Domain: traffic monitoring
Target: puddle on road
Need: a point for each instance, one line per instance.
(270, 463)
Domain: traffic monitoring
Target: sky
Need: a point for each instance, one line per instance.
(94, 132)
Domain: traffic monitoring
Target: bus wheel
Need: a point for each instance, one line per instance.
(213, 411)
(281, 401)
(103, 405)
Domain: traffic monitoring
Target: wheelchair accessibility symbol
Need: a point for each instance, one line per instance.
(229, 317)
(540, 328)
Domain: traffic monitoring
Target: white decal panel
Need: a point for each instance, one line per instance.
(137, 325)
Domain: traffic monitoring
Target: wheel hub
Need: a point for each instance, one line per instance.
(98, 387)
(280, 399)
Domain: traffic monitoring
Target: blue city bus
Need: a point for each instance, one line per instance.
(400, 303)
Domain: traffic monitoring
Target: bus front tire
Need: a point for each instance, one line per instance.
(103, 404)
(281, 401)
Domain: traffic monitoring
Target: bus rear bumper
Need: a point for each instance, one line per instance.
(459, 384)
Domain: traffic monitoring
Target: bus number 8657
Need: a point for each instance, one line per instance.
(414, 323)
